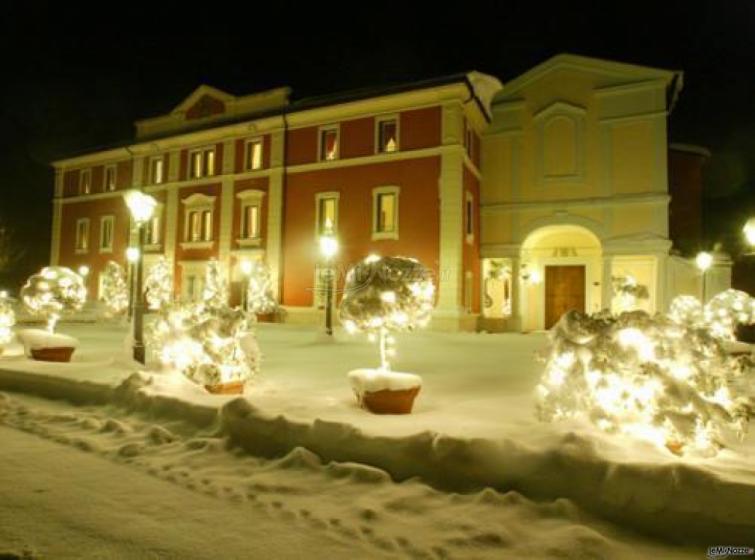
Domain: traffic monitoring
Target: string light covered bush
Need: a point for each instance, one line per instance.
(7, 320)
(215, 291)
(114, 291)
(648, 377)
(54, 291)
(209, 342)
(158, 285)
(259, 293)
(383, 295)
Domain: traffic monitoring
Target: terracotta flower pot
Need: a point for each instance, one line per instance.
(230, 388)
(390, 402)
(61, 354)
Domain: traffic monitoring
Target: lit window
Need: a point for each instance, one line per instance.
(110, 178)
(153, 231)
(207, 225)
(202, 163)
(469, 217)
(85, 182)
(329, 144)
(253, 155)
(82, 235)
(157, 171)
(251, 221)
(106, 234)
(327, 214)
(385, 213)
(195, 226)
(198, 220)
(387, 135)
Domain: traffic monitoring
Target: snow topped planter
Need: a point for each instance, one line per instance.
(44, 346)
(385, 392)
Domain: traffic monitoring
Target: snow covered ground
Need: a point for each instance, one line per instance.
(417, 486)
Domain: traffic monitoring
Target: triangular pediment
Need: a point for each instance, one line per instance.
(607, 73)
(203, 96)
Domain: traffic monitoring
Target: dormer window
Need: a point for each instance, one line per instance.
(202, 163)
(253, 154)
(387, 135)
(329, 143)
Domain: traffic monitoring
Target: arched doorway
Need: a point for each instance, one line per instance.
(561, 269)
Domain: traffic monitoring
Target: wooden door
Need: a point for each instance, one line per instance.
(564, 291)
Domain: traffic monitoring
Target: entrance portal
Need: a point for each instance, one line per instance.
(564, 291)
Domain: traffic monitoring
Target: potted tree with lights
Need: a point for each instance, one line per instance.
(384, 295)
(259, 292)
(51, 293)
(7, 320)
(114, 292)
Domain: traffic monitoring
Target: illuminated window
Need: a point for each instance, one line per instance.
(202, 163)
(107, 225)
(82, 235)
(327, 213)
(252, 221)
(250, 230)
(385, 213)
(469, 217)
(387, 135)
(253, 155)
(329, 144)
(153, 231)
(198, 221)
(156, 171)
(110, 172)
(85, 181)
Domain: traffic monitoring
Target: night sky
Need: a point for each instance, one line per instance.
(76, 81)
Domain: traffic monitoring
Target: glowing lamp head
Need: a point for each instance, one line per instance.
(83, 271)
(749, 231)
(536, 277)
(704, 261)
(3, 294)
(141, 206)
(246, 267)
(328, 246)
(132, 254)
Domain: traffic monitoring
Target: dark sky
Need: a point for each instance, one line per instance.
(75, 79)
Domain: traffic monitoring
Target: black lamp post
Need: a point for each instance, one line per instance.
(328, 249)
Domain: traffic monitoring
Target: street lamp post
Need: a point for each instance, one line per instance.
(132, 254)
(704, 261)
(328, 249)
(141, 206)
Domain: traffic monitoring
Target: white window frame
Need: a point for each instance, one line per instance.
(79, 249)
(320, 131)
(378, 125)
(105, 186)
(85, 173)
(376, 193)
(247, 163)
(469, 217)
(326, 195)
(203, 150)
(247, 198)
(149, 245)
(103, 220)
(201, 203)
(152, 161)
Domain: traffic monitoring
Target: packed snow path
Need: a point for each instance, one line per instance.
(97, 482)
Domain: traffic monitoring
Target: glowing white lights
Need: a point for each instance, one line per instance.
(83, 271)
(141, 206)
(328, 246)
(7, 320)
(53, 291)
(132, 254)
(384, 294)
(114, 290)
(704, 261)
(749, 231)
(158, 285)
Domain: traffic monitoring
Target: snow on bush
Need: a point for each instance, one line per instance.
(259, 293)
(727, 310)
(215, 292)
(158, 285)
(114, 292)
(385, 294)
(7, 320)
(53, 291)
(209, 342)
(646, 377)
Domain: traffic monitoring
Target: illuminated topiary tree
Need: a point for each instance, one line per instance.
(52, 292)
(259, 292)
(647, 377)
(158, 285)
(387, 294)
(727, 310)
(215, 292)
(7, 320)
(114, 290)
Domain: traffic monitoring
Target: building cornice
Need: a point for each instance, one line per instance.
(603, 202)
